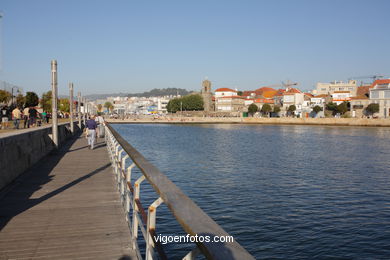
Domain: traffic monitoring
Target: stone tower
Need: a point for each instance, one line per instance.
(206, 94)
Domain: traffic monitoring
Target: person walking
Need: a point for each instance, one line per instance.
(16, 116)
(4, 117)
(91, 131)
(26, 123)
(32, 114)
(100, 126)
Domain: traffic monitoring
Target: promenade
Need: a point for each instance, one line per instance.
(65, 207)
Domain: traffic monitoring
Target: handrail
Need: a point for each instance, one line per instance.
(191, 217)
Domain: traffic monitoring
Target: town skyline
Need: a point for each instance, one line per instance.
(135, 47)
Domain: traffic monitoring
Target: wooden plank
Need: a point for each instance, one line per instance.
(66, 207)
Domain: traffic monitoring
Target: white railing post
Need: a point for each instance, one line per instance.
(136, 209)
(151, 226)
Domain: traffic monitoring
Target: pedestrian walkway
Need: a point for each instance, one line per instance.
(66, 207)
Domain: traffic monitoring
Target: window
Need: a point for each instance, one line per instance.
(374, 94)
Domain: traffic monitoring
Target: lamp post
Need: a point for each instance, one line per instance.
(54, 102)
(79, 108)
(71, 107)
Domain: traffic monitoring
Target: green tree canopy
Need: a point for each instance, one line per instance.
(187, 103)
(192, 102)
(276, 109)
(32, 99)
(253, 109)
(109, 106)
(342, 108)
(64, 105)
(266, 108)
(372, 108)
(20, 100)
(46, 101)
(173, 105)
(317, 109)
(292, 108)
(5, 96)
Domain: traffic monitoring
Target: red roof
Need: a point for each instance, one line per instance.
(293, 90)
(380, 81)
(225, 90)
(261, 90)
(363, 90)
(309, 94)
(247, 93)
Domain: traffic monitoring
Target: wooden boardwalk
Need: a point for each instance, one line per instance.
(66, 207)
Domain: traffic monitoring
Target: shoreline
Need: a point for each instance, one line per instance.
(261, 121)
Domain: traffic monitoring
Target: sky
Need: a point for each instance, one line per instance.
(130, 46)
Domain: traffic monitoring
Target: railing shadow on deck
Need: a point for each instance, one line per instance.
(12, 204)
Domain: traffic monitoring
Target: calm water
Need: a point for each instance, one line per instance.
(283, 192)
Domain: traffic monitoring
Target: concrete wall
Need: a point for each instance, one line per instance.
(19, 150)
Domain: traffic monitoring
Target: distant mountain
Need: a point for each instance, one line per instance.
(162, 92)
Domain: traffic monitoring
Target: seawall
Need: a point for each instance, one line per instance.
(256, 120)
(23, 148)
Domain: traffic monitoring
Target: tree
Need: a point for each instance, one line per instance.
(46, 101)
(173, 105)
(192, 102)
(291, 109)
(266, 108)
(64, 105)
(187, 103)
(109, 106)
(317, 109)
(332, 107)
(252, 109)
(32, 99)
(99, 107)
(239, 93)
(5, 96)
(342, 108)
(20, 100)
(372, 108)
(276, 109)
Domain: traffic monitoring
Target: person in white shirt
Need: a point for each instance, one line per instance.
(100, 129)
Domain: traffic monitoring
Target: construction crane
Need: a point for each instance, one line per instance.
(288, 84)
(373, 77)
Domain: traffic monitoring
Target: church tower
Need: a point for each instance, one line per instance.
(206, 94)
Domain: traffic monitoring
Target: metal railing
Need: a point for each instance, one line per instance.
(192, 219)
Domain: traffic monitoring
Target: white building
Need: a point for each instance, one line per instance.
(380, 94)
(294, 97)
(162, 105)
(330, 88)
(339, 97)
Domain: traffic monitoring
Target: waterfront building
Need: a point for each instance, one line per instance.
(330, 88)
(380, 94)
(293, 96)
(358, 105)
(162, 105)
(339, 97)
(227, 100)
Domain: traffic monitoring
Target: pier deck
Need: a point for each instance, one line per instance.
(66, 207)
